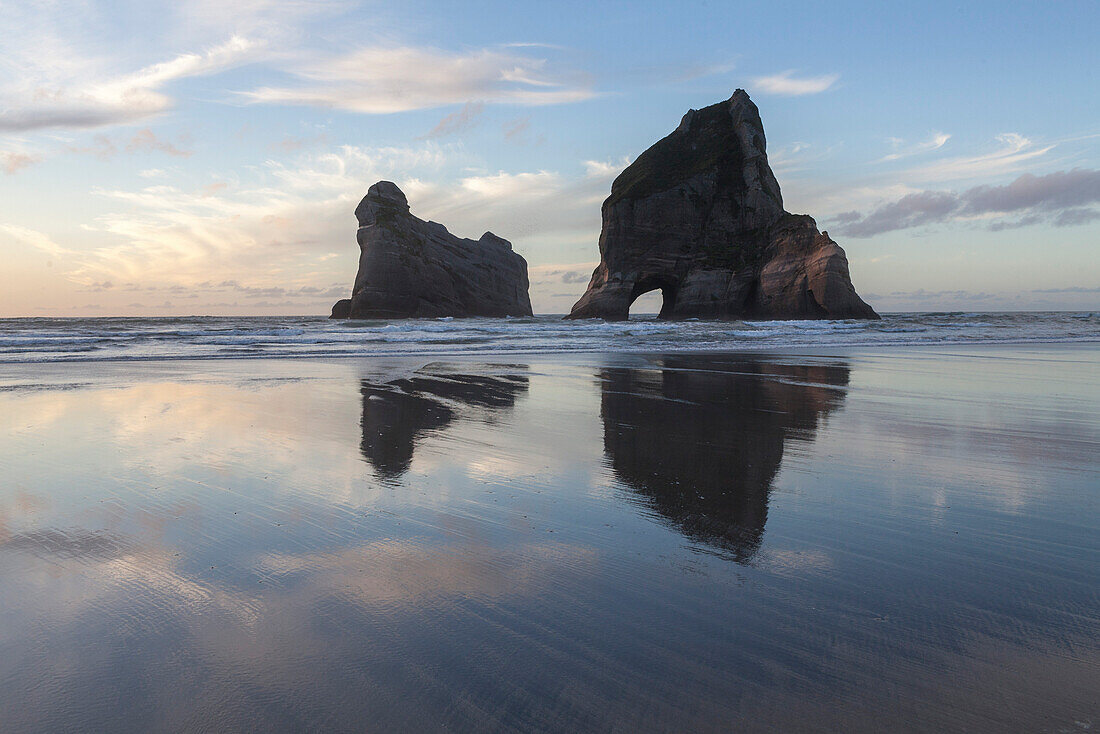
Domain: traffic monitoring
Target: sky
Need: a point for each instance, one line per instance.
(205, 157)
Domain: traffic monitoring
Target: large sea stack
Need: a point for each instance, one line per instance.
(409, 268)
(700, 217)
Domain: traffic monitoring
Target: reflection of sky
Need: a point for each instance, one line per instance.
(205, 534)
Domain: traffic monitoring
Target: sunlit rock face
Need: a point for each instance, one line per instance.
(701, 439)
(700, 216)
(410, 268)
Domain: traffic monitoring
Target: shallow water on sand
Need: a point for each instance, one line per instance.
(877, 539)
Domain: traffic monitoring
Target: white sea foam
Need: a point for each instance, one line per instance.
(52, 340)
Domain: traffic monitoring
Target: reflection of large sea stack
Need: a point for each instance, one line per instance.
(412, 268)
(702, 438)
(399, 413)
(700, 216)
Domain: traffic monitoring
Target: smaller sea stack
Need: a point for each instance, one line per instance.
(410, 268)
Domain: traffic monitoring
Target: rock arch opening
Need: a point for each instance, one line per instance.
(653, 295)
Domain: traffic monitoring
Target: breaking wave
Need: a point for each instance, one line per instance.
(59, 340)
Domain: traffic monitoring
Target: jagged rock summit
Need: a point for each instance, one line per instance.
(409, 268)
(700, 216)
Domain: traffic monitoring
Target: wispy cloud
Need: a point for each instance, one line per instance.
(456, 122)
(101, 147)
(1013, 154)
(15, 161)
(521, 44)
(387, 80)
(901, 150)
(1063, 198)
(296, 220)
(787, 84)
(34, 238)
(292, 144)
(606, 170)
(798, 156)
(143, 141)
(74, 98)
(279, 20)
(514, 129)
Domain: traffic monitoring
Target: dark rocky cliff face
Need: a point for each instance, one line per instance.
(412, 268)
(700, 216)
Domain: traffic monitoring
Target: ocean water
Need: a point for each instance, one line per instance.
(208, 337)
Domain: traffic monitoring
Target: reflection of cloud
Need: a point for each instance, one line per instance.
(75, 543)
(160, 626)
(112, 570)
(411, 572)
(184, 430)
(998, 445)
(788, 562)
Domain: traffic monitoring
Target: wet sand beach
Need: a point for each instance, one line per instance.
(867, 539)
